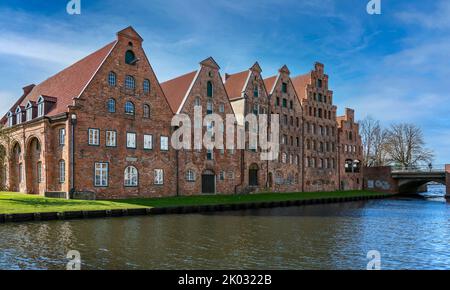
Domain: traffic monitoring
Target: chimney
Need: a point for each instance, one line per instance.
(28, 89)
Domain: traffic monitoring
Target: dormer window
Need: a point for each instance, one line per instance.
(10, 119)
(29, 110)
(130, 58)
(41, 103)
(18, 115)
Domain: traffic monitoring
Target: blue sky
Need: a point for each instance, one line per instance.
(394, 66)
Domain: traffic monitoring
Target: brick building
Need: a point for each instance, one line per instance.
(103, 126)
(248, 95)
(320, 130)
(285, 174)
(350, 152)
(204, 170)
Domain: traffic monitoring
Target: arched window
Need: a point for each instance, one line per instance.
(112, 79)
(190, 175)
(130, 57)
(209, 89)
(62, 171)
(41, 103)
(129, 108)
(131, 176)
(130, 83)
(146, 111)
(146, 86)
(111, 105)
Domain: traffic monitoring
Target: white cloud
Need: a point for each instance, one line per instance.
(438, 19)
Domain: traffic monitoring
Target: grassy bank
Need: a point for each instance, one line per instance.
(11, 203)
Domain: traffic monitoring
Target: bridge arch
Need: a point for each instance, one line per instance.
(413, 186)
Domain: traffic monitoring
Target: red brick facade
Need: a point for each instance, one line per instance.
(320, 131)
(350, 152)
(103, 126)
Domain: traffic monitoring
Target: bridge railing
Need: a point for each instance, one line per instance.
(420, 168)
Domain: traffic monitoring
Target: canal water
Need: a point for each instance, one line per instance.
(408, 233)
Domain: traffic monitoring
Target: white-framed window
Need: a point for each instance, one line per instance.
(62, 136)
(101, 174)
(222, 175)
(130, 83)
(221, 108)
(112, 79)
(148, 142)
(131, 140)
(146, 111)
(10, 119)
(39, 172)
(40, 105)
(190, 175)
(94, 137)
(131, 176)
(29, 113)
(146, 86)
(62, 171)
(111, 138)
(19, 115)
(164, 143)
(159, 177)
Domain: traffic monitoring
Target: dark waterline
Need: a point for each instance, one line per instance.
(409, 234)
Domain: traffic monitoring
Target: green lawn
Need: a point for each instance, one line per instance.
(21, 203)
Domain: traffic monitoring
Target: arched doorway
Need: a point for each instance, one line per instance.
(3, 163)
(33, 166)
(253, 175)
(208, 182)
(15, 168)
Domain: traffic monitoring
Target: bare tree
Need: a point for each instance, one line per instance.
(405, 146)
(374, 141)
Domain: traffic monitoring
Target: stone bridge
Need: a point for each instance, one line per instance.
(405, 180)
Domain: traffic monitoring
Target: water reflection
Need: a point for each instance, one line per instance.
(409, 233)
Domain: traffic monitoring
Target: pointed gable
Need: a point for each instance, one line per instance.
(210, 62)
(130, 33)
(176, 89)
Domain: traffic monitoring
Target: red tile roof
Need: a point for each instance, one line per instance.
(270, 83)
(69, 83)
(176, 89)
(300, 83)
(235, 84)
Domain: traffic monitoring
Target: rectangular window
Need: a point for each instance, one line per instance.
(209, 108)
(284, 103)
(41, 109)
(221, 108)
(101, 174)
(111, 138)
(62, 171)
(164, 143)
(210, 155)
(148, 142)
(62, 137)
(94, 137)
(131, 140)
(284, 88)
(29, 114)
(159, 177)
